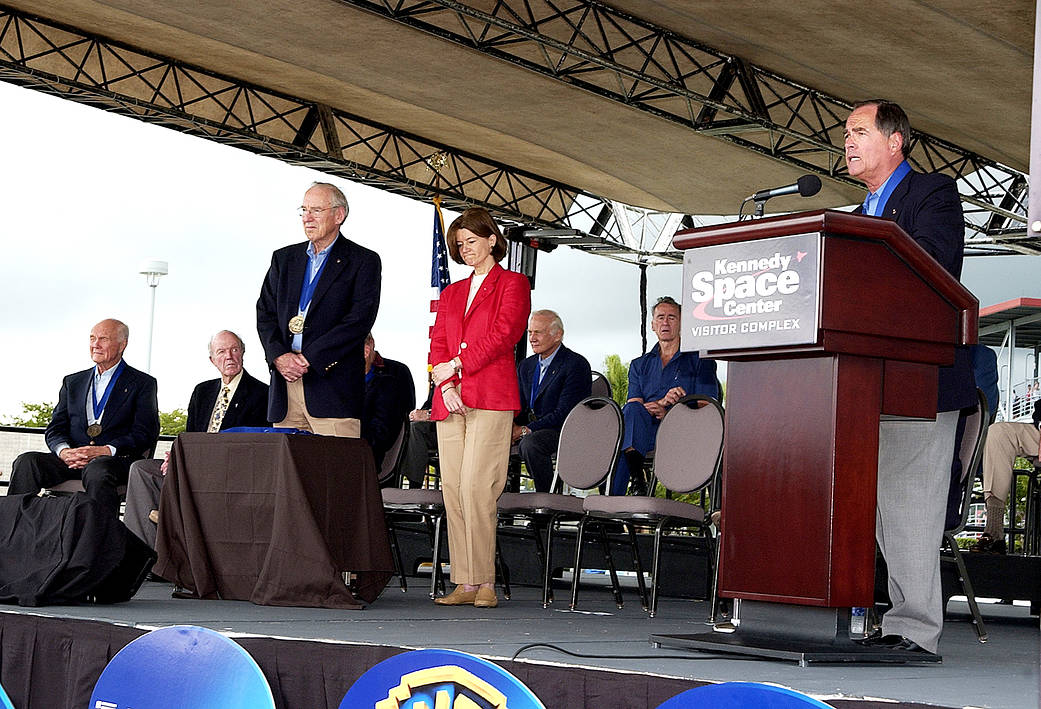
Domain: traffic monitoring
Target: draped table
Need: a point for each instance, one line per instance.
(273, 518)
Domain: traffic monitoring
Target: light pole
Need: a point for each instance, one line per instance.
(152, 271)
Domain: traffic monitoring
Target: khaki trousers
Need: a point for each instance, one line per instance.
(475, 451)
(1005, 441)
(297, 417)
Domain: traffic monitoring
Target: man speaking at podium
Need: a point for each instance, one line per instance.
(914, 457)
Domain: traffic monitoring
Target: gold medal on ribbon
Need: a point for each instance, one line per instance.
(296, 324)
(94, 430)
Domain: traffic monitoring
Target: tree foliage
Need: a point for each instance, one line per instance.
(33, 415)
(38, 415)
(172, 422)
(617, 374)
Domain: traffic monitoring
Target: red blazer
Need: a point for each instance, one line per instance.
(483, 339)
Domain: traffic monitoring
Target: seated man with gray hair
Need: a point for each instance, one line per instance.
(552, 381)
(234, 399)
(106, 418)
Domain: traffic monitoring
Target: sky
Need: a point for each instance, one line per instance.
(87, 196)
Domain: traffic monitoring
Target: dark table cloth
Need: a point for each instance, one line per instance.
(274, 519)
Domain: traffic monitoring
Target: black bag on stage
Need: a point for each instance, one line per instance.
(67, 550)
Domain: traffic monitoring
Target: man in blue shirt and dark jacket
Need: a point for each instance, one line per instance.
(552, 381)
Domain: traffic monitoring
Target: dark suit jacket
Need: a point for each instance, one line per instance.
(342, 312)
(247, 408)
(928, 208)
(389, 397)
(131, 418)
(567, 381)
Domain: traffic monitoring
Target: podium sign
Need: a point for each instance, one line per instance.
(750, 294)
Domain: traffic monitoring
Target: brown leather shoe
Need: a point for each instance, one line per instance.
(459, 597)
(486, 598)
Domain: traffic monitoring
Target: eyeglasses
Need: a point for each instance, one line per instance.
(313, 211)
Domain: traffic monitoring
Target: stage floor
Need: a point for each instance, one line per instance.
(1001, 673)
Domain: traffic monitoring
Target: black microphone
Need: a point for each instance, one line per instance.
(807, 186)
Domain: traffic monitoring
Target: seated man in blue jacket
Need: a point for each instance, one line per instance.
(657, 380)
(552, 381)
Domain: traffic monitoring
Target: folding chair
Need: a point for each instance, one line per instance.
(688, 455)
(402, 504)
(971, 454)
(600, 386)
(586, 455)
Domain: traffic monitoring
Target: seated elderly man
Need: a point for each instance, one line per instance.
(234, 399)
(1005, 441)
(106, 418)
(552, 381)
(390, 393)
(657, 380)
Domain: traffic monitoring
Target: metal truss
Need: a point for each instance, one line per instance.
(605, 51)
(71, 64)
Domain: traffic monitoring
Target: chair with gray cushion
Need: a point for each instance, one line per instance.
(586, 455)
(971, 454)
(688, 456)
(411, 504)
(600, 386)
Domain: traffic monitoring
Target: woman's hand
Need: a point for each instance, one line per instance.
(453, 402)
(442, 372)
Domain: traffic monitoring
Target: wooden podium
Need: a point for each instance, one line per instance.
(830, 321)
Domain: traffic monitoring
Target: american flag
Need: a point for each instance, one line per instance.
(439, 277)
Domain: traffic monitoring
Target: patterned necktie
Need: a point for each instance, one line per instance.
(219, 410)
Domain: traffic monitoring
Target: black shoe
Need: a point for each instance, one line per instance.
(986, 544)
(894, 642)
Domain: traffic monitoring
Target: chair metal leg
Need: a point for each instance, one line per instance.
(547, 567)
(606, 544)
(638, 566)
(577, 568)
(399, 566)
(504, 573)
(713, 611)
(966, 586)
(436, 577)
(658, 529)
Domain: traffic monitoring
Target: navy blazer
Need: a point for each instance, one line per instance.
(342, 312)
(247, 408)
(928, 208)
(567, 381)
(130, 421)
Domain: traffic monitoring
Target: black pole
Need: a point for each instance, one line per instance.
(643, 305)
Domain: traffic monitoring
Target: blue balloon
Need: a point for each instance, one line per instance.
(182, 666)
(5, 701)
(740, 695)
(425, 676)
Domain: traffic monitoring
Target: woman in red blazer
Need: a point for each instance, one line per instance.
(479, 320)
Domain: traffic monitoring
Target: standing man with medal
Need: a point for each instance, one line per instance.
(106, 418)
(318, 302)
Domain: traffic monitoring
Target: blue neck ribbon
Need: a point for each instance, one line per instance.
(307, 291)
(535, 384)
(99, 406)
